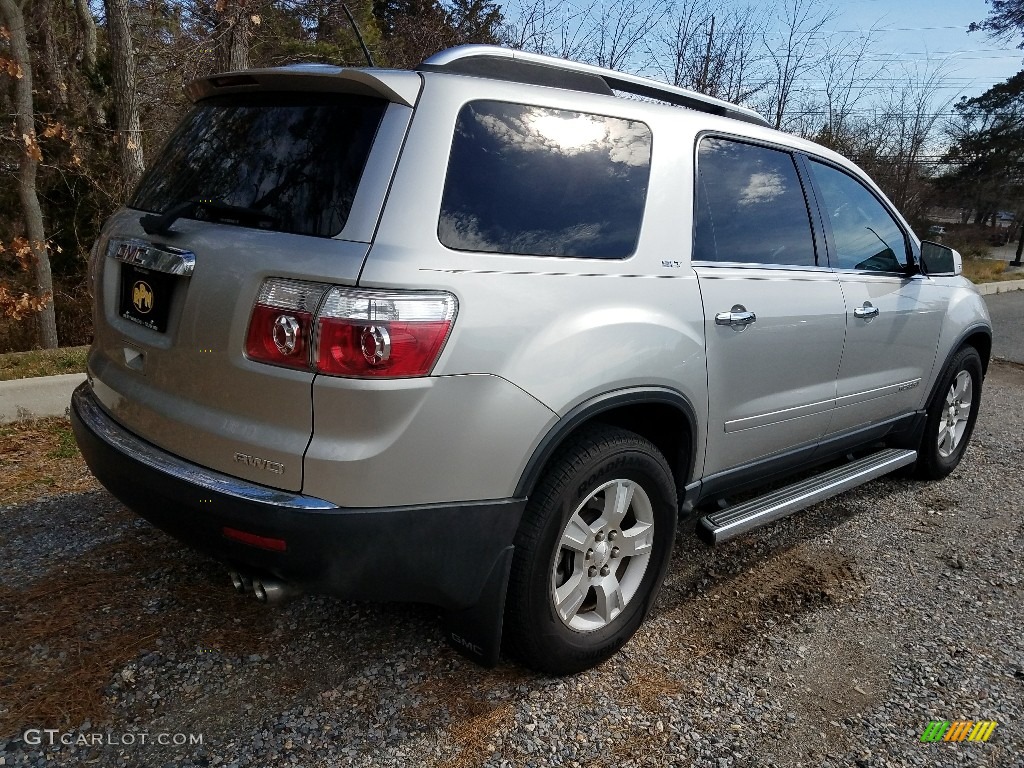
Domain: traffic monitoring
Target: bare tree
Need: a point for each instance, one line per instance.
(88, 27)
(126, 92)
(710, 47)
(89, 60)
(13, 14)
(553, 29)
(608, 33)
(51, 64)
(232, 34)
(846, 66)
(802, 21)
(908, 134)
(620, 27)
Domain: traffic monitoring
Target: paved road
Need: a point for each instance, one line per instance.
(1007, 310)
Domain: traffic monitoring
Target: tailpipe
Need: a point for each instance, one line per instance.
(272, 591)
(240, 581)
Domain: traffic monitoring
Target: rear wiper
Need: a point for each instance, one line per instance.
(160, 224)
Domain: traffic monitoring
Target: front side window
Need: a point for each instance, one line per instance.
(284, 162)
(750, 206)
(544, 182)
(866, 236)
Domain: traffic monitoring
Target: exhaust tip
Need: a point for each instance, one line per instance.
(240, 581)
(272, 591)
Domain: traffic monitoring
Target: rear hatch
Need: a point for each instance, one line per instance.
(276, 174)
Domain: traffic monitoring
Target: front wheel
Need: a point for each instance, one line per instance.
(591, 551)
(951, 416)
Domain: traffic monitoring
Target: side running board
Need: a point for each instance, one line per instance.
(731, 522)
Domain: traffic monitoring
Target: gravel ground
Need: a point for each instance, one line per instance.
(828, 639)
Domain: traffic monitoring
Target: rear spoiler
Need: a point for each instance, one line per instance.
(397, 86)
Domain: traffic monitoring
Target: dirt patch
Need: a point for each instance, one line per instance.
(65, 638)
(730, 610)
(41, 458)
(839, 671)
(647, 686)
(69, 632)
(474, 719)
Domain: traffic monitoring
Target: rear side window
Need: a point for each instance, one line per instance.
(545, 182)
(290, 163)
(750, 206)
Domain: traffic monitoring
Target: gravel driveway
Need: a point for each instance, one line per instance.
(828, 639)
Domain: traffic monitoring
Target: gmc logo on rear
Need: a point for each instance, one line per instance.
(255, 461)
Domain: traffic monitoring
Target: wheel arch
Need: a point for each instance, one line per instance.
(663, 416)
(978, 336)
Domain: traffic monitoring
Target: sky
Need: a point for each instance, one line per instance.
(916, 34)
(922, 30)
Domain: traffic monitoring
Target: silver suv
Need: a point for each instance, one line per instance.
(479, 335)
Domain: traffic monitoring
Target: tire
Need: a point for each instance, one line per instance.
(951, 416)
(574, 596)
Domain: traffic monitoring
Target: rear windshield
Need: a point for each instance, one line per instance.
(545, 182)
(285, 162)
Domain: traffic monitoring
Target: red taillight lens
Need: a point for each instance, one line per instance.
(349, 348)
(359, 333)
(279, 336)
(378, 334)
(281, 325)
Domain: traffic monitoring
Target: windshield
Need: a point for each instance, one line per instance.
(291, 162)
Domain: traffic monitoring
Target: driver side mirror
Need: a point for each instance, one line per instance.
(940, 260)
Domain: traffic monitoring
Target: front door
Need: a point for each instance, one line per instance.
(774, 319)
(893, 320)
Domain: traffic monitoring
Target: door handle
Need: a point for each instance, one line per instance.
(737, 317)
(866, 312)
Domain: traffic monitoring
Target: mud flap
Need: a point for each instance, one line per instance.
(475, 632)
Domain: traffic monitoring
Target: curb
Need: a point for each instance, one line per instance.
(37, 397)
(988, 289)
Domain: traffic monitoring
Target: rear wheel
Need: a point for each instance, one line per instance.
(951, 416)
(591, 552)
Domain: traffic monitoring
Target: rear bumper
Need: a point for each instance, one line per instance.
(439, 554)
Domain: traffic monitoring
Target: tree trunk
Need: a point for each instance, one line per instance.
(1020, 244)
(88, 25)
(233, 37)
(28, 164)
(126, 93)
(89, 61)
(51, 67)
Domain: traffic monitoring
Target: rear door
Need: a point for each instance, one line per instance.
(774, 316)
(893, 319)
(264, 184)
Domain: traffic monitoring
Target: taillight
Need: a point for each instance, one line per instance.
(382, 334)
(359, 333)
(281, 325)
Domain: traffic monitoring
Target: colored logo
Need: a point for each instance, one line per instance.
(958, 730)
(142, 296)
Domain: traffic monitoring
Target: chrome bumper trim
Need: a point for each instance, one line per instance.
(88, 410)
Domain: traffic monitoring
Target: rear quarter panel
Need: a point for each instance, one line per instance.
(562, 329)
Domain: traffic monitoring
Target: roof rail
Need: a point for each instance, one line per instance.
(519, 66)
